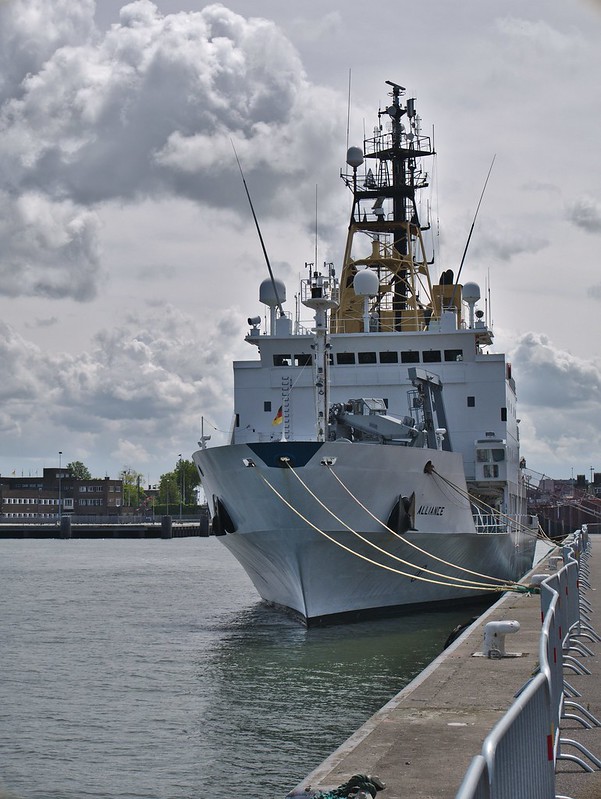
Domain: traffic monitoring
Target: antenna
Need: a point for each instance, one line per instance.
(271, 277)
(316, 226)
(467, 243)
(348, 110)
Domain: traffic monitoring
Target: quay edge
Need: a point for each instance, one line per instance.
(423, 740)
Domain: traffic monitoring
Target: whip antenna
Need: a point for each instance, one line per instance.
(271, 277)
(467, 243)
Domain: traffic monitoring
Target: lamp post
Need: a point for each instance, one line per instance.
(181, 487)
(60, 498)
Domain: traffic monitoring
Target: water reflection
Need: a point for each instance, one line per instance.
(297, 693)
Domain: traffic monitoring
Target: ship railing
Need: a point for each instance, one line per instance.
(493, 523)
(520, 754)
(489, 523)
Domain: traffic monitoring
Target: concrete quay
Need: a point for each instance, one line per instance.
(422, 741)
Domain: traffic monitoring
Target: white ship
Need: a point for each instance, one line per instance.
(374, 458)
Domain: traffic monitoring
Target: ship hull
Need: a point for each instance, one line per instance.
(302, 520)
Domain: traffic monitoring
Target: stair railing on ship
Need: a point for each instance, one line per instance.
(520, 754)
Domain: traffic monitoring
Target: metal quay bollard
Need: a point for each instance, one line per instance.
(494, 638)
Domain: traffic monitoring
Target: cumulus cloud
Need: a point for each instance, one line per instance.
(504, 242)
(554, 378)
(49, 247)
(140, 389)
(539, 37)
(560, 403)
(585, 213)
(149, 107)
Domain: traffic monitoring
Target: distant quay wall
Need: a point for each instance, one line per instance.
(165, 527)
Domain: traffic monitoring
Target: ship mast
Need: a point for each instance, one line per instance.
(320, 292)
(385, 209)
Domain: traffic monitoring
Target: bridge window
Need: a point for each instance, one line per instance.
(410, 356)
(453, 355)
(282, 360)
(389, 357)
(343, 358)
(367, 357)
(431, 356)
(303, 359)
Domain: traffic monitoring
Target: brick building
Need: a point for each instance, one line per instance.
(58, 493)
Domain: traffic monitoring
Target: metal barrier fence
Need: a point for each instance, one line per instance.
(519, 755)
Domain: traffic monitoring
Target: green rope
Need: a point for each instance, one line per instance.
(358, 782)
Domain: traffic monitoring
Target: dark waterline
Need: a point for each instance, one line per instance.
(149, 668)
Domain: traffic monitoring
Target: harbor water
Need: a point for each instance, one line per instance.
(150, 668)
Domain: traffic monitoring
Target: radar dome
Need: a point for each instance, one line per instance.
(471, 292)
(366, 283)
(269, 296)
(354, 157)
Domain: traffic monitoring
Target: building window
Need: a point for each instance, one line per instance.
(453, 355)
(471, 402)
(267, 406)
(343, 358)
(410, 356)
(389, 357)
(431, 356)
(367, 357)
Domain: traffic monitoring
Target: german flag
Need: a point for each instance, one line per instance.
(279, 417)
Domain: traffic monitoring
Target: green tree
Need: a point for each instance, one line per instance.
(180, 484)
(79, 470)
(133, 493)
(188, 480)
(169, 493)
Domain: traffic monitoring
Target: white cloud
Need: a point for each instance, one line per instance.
(147, 108)
(141, 389)
(49, 247)
(534, 37)
(585, 213)
(504, 242)
(559, 397)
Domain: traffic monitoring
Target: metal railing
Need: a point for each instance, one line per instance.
(519, 755)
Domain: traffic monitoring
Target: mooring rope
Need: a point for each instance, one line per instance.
(494, 511)
(411, 543)
(390, 554)
(490, 589)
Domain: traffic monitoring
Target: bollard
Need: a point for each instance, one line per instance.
(494, 637)
(65, 530)
(166, 527)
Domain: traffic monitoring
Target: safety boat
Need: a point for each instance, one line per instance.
(373, 464)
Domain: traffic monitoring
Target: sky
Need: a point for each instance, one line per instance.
(129, 262)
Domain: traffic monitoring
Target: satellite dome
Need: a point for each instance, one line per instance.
(354, 157)
(267, 293)
(471, 292)
(366, 283)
